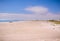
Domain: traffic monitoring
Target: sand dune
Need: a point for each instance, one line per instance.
(29, 31)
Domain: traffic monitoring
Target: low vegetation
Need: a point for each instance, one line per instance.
(55, 21)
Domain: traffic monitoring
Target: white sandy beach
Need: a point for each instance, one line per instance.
(29, 31)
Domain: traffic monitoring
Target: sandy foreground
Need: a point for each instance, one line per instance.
(29, 31)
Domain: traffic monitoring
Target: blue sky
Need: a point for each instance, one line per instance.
(18, 6)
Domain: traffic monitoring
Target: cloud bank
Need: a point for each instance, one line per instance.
(39, 13)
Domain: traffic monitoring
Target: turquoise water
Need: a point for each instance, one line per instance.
(8, 20)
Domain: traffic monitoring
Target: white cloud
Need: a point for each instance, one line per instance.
(40, 13)
(37, 9)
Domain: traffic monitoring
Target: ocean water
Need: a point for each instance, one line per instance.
(8, 20)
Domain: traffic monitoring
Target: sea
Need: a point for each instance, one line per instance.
(8, 20)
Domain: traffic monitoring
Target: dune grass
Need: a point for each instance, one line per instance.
(55, 21)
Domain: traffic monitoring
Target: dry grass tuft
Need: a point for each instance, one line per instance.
(55, 21)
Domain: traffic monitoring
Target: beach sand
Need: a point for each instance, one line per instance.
(29, 31)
